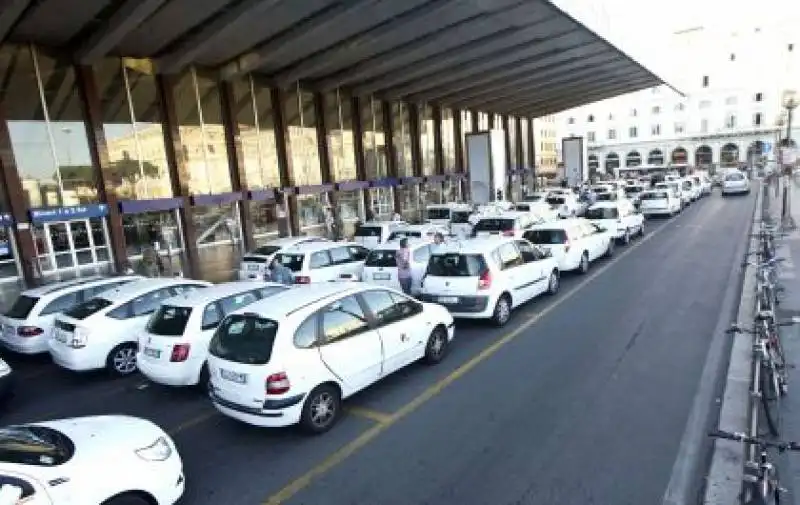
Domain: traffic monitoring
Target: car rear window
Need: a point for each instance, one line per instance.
(169, 321)
(368, 231)
(22, 307)
(460, 217)
(551, 237)
(494, 224)
(397, 235)
(556, 200)
(244, 338)
(686, 185)
(381, 258)
(254, 259)
(456, 265)
(522, 207)
(734, 177)
(633, 189)
(606, 197)
(438, 213)
(266, 250)
(293, 262)
(655, 195)
(87, 308)
(602, 213)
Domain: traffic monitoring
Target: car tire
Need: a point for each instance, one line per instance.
(641, 230)
(553, 283)
(583, 266)
(610, 249)
(121, 361)
(127, 499)
(437, 346)
(502, 310)
(204, 380)
(626, 239)
(327, 398)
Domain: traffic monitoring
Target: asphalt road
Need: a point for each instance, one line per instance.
(582, 399)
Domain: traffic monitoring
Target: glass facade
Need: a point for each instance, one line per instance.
(466, 129)
(511, 132)
(339, 126)
(253, 115)
(132, 127)
(524, 125)
(381, 200)
(426, 139)
(483, 121)
(301, 125)
(448, 141)
(401, 135)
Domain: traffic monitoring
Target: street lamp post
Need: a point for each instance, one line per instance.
(787, 147)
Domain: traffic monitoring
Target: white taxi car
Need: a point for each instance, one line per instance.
(417, 231)
(324, 261)
(566, 204)
(507, 224)
(103, 331)
(373, 233)
(108, 460)
(574, 243)
(173, 348)
(380, 266)
(255, 263)
(28, 324)
(735, 183)
(293, 359)
(487, 278)
(660, 202)
(619, 217)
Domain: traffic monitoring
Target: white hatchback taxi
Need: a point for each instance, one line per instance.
(294, 358)
(108, 460)
(103, 332)
(487, 278)
(381, 264)
(324, 261)
(255, 263)
(619, 217)
(174, 346)
(574, 243)
(735, 183)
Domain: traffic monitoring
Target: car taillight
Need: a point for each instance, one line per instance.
(302, 279)
(277, 384)
(508, 233)
(180, 353)
(485, 280)
(29, 331)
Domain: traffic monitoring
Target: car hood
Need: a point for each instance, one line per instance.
(101, 435)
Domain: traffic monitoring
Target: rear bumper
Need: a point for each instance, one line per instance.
(25, 345)
(273, 414)
(174, 374)
(466, 307)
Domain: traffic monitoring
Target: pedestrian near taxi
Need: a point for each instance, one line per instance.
(404, 266)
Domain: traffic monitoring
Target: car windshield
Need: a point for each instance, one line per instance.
(169, 321)
(87, 308)
(555, 200)
(266, 250)
(22, 307)
(632, 190)
(655, 195)
(494, 224)
(293, 262)
(522, 207)
(544, 237)
(460, 217)
(381, 258)
(35, 445)
(606, 197)
(734, 177)
(456, 265)
(244, 338)
(686, 185)
(438, 213)
(368, 231)
(602, 213)
(533, 198)
(397, 235)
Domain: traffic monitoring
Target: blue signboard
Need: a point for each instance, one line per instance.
(49, 214)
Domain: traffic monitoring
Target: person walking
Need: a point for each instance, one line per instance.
(404, 266)
(280, 273)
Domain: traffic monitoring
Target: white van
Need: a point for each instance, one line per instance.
(28, 325)
(381, 265)
(173, 347)
(324, 261)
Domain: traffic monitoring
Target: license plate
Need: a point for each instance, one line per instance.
(450, 300)
(153, 353)
(238, 378)
(381, 277)
(253, 268)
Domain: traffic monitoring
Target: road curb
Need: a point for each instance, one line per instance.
(724, 481)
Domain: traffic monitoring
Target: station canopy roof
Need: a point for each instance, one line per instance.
(521, 57)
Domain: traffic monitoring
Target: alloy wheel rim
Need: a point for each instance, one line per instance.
(322, 409)
(553, 282)
(503, 311)
(437, 344)
(125, 360)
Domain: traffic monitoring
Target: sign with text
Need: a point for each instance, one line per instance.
(51, 214)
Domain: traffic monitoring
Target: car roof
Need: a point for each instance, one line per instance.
(298, 297)
(394, 245)
(472, 245)
(509, 214)
(217, 291)
(561, 224)
(137, 288)
(606, 204)
(288, 241)
(310, 247)
(418, 227)
(76, 285)
(383, 223)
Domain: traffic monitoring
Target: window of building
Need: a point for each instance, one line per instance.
(590, 118)
(448, 140)
(759, 97)
(301, 125)
(401, 124)
(730, 121)
(733, 56)
(791, 47)
(705, 81)
(757, 119)
(632, 132)
(590, 136)
(655, 129)
(611, 117)
(705, 104)
(633, 112)
(680, 106)
(703, 125)
(425, 128)
(571, 120)
(612, 134)
(731, 100)
(339, 133)
(679, 127)
(656, 109)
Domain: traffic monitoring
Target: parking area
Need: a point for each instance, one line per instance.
(604, 371)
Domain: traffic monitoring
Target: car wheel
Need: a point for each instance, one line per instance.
(127, 499)
(502, 310)
(610, 249)
(122, 359)
(436, 348)
(584, 265)
(626, 239)
(641, 230)
(321, 409)
(553, 283)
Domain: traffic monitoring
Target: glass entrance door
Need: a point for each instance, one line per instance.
(67, 249)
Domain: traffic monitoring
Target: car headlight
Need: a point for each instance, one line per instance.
(157, 451)
(4, 368)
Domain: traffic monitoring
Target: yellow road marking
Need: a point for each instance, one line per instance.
(372, 415)
(192, 422)
(368, 436)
